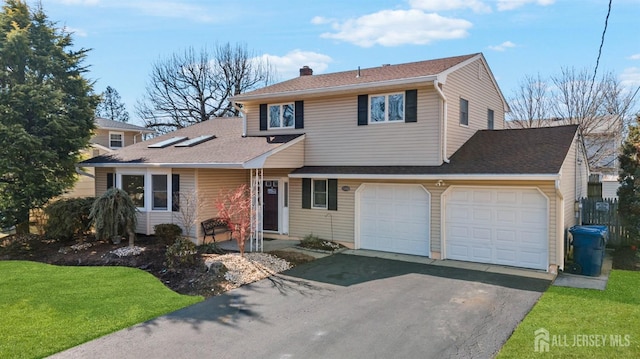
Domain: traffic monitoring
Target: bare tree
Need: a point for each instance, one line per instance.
(187, 205)
(530, 104)
(600, 108)
(193, 87)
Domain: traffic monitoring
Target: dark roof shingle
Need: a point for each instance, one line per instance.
(532, 151)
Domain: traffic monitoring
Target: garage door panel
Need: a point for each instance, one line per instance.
(401, 215)
(497, 225)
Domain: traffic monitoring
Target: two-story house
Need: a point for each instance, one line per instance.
(108, 136)
(408, 158)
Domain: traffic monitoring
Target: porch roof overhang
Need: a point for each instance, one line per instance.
(414, 173)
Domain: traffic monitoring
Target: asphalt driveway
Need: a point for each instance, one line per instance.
(341, 306)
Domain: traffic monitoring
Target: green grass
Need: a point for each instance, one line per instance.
(570, 313)
(46, 309)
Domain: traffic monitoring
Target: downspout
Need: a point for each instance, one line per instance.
(244, 118)
(83, 173)
(560, 250)
(444, 121)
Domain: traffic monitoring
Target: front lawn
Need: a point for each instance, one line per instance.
(582, 323)
(46, 309)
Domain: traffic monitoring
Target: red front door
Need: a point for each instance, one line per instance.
(270, 206)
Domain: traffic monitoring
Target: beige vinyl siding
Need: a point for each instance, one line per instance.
(472, 83)
(333, 137)
(101, 179)
(84, 186)
(210, 183)
(318, 222)
(568, 186)
(187, 190)
(290, 157)
(101, 137)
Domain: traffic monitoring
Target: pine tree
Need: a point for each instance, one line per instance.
(47, 109)
(112, 107)
(629, 190)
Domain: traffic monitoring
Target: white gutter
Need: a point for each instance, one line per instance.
(444, 121)
(167, 165)
(83, 173)
(462, 177)
(244, 118)
(560, 220)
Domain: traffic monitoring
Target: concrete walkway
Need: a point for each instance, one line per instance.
(587, 282)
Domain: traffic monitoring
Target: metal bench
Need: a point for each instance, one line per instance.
(213, 226)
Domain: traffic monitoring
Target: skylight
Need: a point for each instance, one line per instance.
(195, 141)
(168, 142)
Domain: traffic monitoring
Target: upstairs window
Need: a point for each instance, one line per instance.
(282, 116)
(116, 140)
(464, 112)
(386, 108)
(490, 119)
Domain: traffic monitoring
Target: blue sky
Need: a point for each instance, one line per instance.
(517, 37)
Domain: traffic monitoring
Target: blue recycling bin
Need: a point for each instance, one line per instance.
(589, 243)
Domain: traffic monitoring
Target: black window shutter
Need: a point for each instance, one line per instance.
(411, 106)
(110, 181)
(363, 104)
(332, 203)
(263, 117)
(175, 192)
(299, 114)
(306, 193)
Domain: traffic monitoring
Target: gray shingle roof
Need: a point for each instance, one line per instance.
(531, 151)
(107, 124)
(228, 147)
(364, 76)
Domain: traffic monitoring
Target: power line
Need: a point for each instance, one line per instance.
(606, 23)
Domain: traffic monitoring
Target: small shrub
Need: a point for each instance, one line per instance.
(314, 242)
(210, 248)
(181, 253)
(68, 217)
(167, 232)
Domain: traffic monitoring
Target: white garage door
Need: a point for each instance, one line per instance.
(394, 218)
(497, 225)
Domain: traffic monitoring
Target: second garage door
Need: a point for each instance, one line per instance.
(498, 226)
(394, 218)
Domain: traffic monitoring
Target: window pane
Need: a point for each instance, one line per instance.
(396, 107)
(320, 193)
(274, 116)
(288, 117)
(134, 186)
(115, 140)
(464, 112)
(490, 119)
(377, 109)
(159, 184)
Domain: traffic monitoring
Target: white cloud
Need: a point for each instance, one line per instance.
(444, 5)
(630, 77)
(398, 27)
(288, 66)
(634, 57)
(319, 20)
(503, 46)
(504, 5)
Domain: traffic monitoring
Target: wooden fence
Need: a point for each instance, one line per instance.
(605, 212)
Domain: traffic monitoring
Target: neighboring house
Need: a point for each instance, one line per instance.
(602, 144)
(108, 136)
(408, 158)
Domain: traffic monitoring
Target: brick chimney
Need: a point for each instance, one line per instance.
(306, 71)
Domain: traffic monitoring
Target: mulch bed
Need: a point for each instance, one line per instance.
(626, 258)
(192, 280)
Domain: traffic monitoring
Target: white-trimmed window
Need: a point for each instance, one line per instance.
(282, 115)
(386, 108)
(464, 112)
(116, 140)
(133, 184)
(159, 188)
(319, 193)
